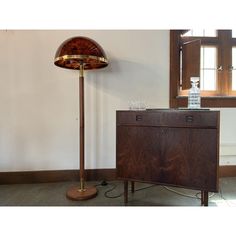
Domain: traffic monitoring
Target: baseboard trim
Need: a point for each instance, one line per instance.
(28, 177)
(228, 171)
(47, 176)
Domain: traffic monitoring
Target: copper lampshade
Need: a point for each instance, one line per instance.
(81, 53)
(75, 50)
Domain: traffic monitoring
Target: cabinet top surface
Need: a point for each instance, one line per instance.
(170, 110)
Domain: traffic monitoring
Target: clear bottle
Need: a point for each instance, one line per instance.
(194, 99)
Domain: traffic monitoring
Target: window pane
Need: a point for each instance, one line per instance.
(234, 80)
(208, 57)
(208, 68)
(234, 68)
(208, 80)
(234, 57)
(210, 32)
(201, 33)
(234, 33)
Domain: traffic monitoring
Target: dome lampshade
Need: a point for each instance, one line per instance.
(80, 50)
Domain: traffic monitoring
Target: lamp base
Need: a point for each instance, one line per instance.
(76, 194)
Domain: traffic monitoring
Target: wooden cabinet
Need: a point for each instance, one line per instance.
(169, 147)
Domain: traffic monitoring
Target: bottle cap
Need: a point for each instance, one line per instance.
(194, 79)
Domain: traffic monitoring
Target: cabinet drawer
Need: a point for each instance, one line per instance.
(170, 118)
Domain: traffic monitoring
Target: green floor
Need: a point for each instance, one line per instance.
(53, 194)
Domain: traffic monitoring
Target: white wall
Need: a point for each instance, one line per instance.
(39, 101)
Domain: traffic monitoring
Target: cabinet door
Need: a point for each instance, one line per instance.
(138, 153)
(189, 158)
(184, 157)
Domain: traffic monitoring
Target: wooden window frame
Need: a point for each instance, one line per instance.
(226, 98)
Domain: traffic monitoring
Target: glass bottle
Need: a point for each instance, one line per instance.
(194, 99)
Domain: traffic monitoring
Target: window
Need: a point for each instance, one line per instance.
(209, 54)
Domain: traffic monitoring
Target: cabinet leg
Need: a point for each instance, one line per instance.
(132, 186)
(125, 192)
(204, 198)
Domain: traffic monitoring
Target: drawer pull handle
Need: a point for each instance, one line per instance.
(138, 117)
(189, 119)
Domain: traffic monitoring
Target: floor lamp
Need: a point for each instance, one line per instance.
(81, 53)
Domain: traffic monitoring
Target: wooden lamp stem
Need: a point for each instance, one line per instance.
(83, 192)
(81, 112)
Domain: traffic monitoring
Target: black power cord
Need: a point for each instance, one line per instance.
(110, 190)
(104, 183)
